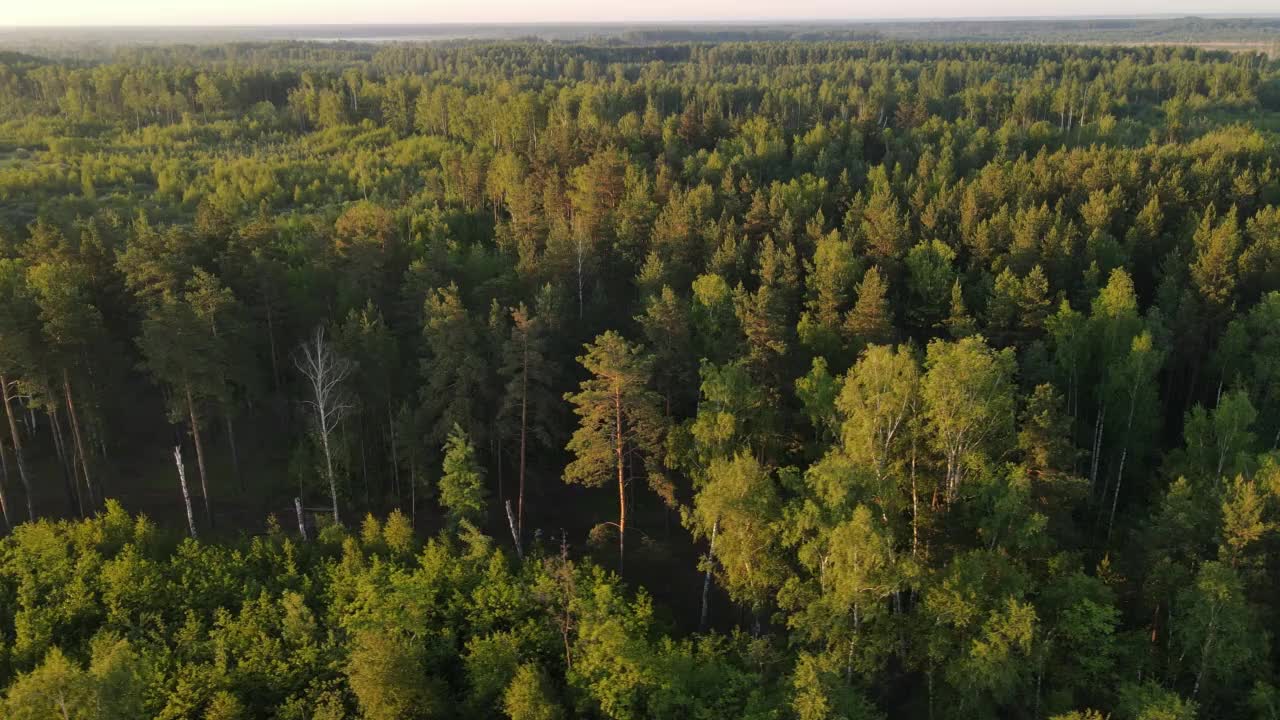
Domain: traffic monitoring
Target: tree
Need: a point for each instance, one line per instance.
(620, 424)
(1134, 382)
(462, 490)
(529, 696)
(1219, 632)
(765, 315)
(667, 329)
(386, 675)
(829, 278)
(455, 373)
(739, 504)
(879, 407)
(870, 322)
(528, 394)
(929, 280)
(968, 403)
(18, 354)
(1214, 271)
(325, 372)
(883, 225)
(61, 688)
(373, 347)
(72, 331)
(186, 341)
(819, 693)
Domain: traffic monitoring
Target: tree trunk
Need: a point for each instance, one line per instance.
(235, 454)
(186, 493)
(915, 504)
(4, 479)
(524, 432)
(1124, 454)
(195, 437)
(302, 519)
(328, 466)
(622, 480)
(395, 455)
(515, 533)
(1115, 497)
(75, 435)
(72, 485)
(364, 470)
(17, 448)
(271, 338)
(579, 246)
(1205, 650)
(413, 490)
(706, 580)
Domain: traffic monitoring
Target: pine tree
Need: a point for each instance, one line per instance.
(462, 491)
(455, 372)
(620, 423)
(870, 321)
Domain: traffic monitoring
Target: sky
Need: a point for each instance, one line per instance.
(272, 12)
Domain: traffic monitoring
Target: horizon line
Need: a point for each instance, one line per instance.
(671, 21)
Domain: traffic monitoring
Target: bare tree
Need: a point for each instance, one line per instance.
(325, 372)
(186, 494)
(17, 445)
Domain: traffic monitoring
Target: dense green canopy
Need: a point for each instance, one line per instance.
(804, 379)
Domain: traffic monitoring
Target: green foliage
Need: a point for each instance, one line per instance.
(529, 697)
(958, 363)
(462, 491)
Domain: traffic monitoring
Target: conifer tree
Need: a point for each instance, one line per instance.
(620, 423)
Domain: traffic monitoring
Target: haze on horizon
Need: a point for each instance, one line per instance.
(73, 13)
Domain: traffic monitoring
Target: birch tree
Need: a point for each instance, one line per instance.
(968, 403)
(325, 372)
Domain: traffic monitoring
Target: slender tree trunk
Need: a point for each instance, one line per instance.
(17, 448)
(515, 533)
(4, 480)
(235, 453)
(706, 579)
(1115, 497)
(1124, 454)
(186, 492)
(195, 437)
(622, 480)
(70, 482)
(395, 455)
(524, 432)
(1205, 650)
(1097, 449)
(75, 434)
(364, 470)
(302, 519)
(915, 503)
(328, 465)
(271, 339)
(579, 246)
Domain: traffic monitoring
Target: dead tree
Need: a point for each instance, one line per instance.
(325, 372)
(186, 494)
(302, 519)
(17, 447)
(515, 532)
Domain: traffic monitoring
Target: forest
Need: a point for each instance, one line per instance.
(794, 380)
